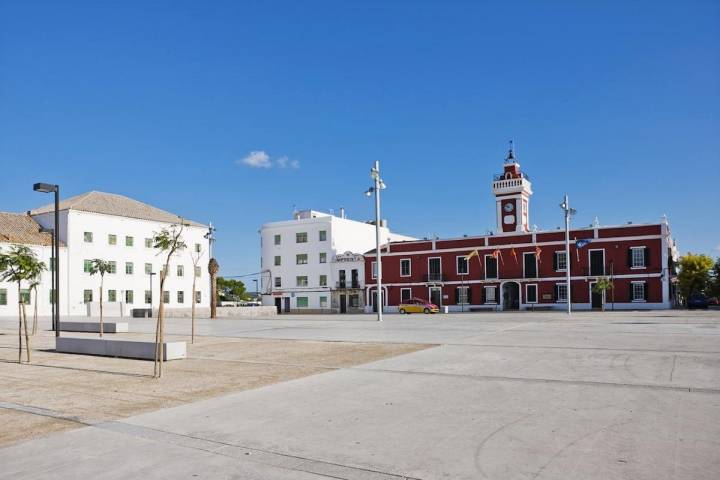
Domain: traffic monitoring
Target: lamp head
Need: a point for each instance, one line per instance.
(44, 187)
(369, 191)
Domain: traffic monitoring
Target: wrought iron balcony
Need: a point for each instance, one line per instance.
(434, 277)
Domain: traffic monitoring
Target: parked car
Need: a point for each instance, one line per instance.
(714, 301)
(418, 305)
(697, 300)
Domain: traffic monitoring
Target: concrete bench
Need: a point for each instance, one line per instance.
(94, 327)
(119, 348)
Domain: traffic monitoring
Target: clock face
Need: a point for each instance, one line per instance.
(509, 207)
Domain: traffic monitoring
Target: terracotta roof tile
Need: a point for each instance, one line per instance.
(21, 228)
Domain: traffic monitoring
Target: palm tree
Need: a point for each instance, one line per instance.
(102, 267)
(18, 265)
(167, 241)
(603, 284)
(213, 268)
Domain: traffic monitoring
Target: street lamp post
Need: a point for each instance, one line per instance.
(377, 186)
(52, 188)
(53, 262)
(257, 292)
(565, 205)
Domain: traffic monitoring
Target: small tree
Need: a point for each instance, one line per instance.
(213, 268)
(714, 289)
(694, 274)
(195, 260)
(602, 285)
(167, 241)
(101, 267)
(18, 265)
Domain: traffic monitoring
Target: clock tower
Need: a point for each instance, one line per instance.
(512, 191)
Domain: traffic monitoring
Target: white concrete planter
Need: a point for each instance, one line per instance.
(94, 327)
(119, 348)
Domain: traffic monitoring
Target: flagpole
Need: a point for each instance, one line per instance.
(568, 211)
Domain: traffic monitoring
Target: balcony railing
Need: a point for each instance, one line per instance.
(434, 277)
(346, 284)
(501, 176)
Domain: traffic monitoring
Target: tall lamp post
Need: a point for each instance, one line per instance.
(52, 188)
(377, 186)
(257, 292)
(53, 262)
(565, 205)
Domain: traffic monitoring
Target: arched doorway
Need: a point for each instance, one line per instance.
(511, 296)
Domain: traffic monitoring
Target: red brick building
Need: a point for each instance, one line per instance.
(516, 268)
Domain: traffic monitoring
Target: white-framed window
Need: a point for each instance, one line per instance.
(301, 259)
(87, 296)
(129, 296)
(278, 282)
(277, 239)
(129, 268)
(180, 270)
(531, 293)
(561, 292)
(405, 294)
(129, 241)
(301, 302)
(148, 243)
(529, 265)
(301, 237)
(323, 301)
(301, 281)
(434, 269)
(148, 296)
(374, 269)
(463, 268)
(180, 296)
(278, 260)
(490, 295)
(405, 270)
(322, 235)
(560, 261)
(87, 266)
(112, 239)
(148, 268)
(463, 295)
(323, 281)
(323, 257)
(637, 290)
(637, 257)
(113, 266)
(491, 267)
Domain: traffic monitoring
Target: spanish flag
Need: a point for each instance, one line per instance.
(538, 251)
(472, 254)
(514, 254)
(497, 253)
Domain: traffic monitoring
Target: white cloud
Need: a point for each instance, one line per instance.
(257, 159)
(260, 159)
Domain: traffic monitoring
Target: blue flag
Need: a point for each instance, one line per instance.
(582, 242)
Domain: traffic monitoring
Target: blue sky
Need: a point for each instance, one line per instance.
(615, 103)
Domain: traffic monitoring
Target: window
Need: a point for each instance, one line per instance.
(278, 282)
(323, 235)
(434, 270)
(113, 266)
(129, 294)
(405, 294)
(166, 296)
(88, 237)
(278, 260)
(561, 292)
(559, 262)
(302, 302)
(198, 248)
(597, 262)
(112, 296)
(529, 265)
(180, 270)
(301, 237)
(462, 265)
(355, 300)
(198, 297)
(25, 296)
(491, 267)
(323, 280)
(148, 268)
(129, 241)
(637, 257)
(87, 296)
(148, 296)
(531, 294)
(51, 296)
(129, 268)
(148, 243)
(323, 257)
(323, 302)
(277, 239)
(301, 258)
(490, 295)
(301, 281)
(3, 296)
(198, 271)
(87, 266)
(374, 269)
(462, 295)
(405, 267)
(180, 296)
(638, 292)
(112, 239)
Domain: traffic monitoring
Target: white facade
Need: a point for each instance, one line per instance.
(321, 268)
(87, 235)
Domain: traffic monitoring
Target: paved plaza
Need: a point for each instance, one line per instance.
(626, 395)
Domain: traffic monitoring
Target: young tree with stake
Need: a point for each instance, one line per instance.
(602, 285)
(101, 267)
(167, 241)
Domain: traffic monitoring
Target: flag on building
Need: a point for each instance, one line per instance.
(514, 254)
(497, 253)
(538, 251)
(582, 242)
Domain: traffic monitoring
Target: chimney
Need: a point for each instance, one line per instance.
(342, 212)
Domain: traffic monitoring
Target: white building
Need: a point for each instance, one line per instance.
(114, 228)
(314, 263)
